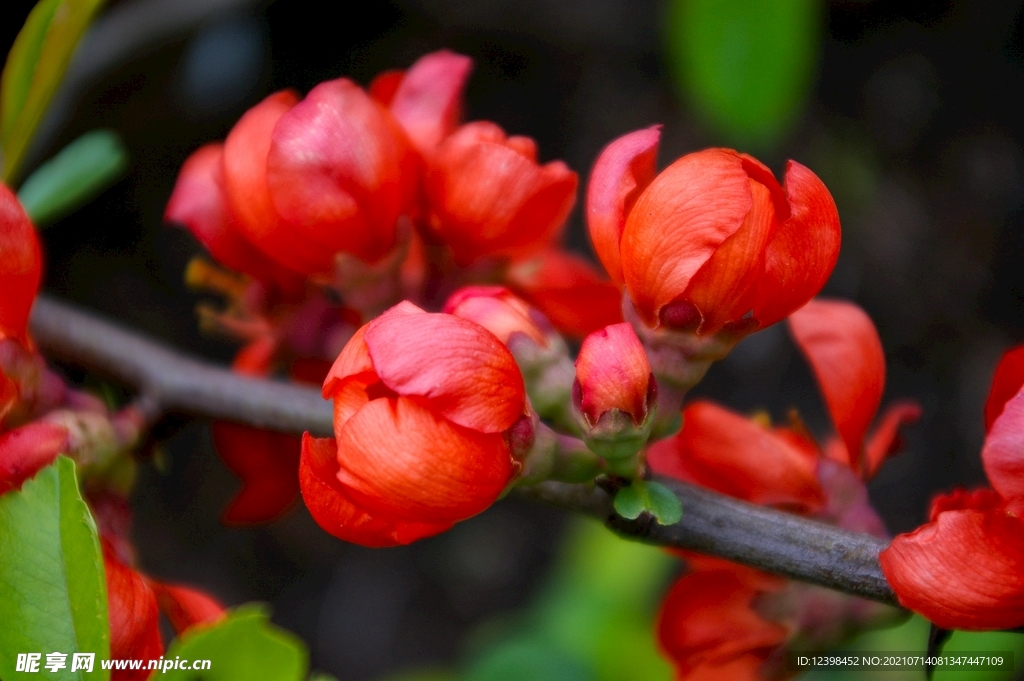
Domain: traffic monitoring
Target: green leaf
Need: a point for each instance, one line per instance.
(745, 65)
(35, 66)
(652, 497)
(70, 179)
(244, 645)
(51, 574)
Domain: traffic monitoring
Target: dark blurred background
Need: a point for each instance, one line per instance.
(910, 111)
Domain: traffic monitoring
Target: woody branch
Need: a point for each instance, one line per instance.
(171, 382)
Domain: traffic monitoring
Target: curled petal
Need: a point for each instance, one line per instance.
(622, 171)
(1007, 382)
(613, 372)
(21, 266)
(341, 171)
(462, 370)
(885, 440)
(842, 346)
(134, 616)
(963, 571)
(678, 222)
(267, 463)
(401, 459)
(723, 287)
(428, 102)
(198, 203)
(568, 290)
(26, 450)
(708, 618)
(733, 455)
(1003, 451)
(333, 510)
(802, 252)
(354, 359)
(960, 499)
(186, 607)
(498, 310)
(488, 196)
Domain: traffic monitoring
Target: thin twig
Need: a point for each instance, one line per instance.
(713, 524)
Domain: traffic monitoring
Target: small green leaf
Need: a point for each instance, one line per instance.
(70, 179)
(51, 574)
(652, 497)
(746, 65)
(35, 66)
(631, 501)
(245, 645)
(663, 504)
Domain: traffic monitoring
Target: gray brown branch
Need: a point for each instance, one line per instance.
(713, 524)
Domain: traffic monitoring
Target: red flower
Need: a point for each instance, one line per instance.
(499, 311)
(570, 292)
(842, 346)
(134, 604)
(488, 197)
(711, 239)
(21, 266)
(964, 569)
(423, 408)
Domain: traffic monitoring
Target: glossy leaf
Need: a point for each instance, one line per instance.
(745, 65)
(51, 573)
(651, 497)
(35, 66)
(70, 179)
(245, 645)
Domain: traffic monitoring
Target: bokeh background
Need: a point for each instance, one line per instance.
(911, 111)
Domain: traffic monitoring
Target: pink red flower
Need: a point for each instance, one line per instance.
(20, 267)
(424, 406)
(713, 238)
(26, 450)
(488, 197)
(614, 385)
(964, 569)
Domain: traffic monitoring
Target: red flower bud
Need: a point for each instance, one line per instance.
(423, 406)
(570, 291)
(713, 238)
(21, 266)
(26, 450)
(613, 373)
(488, 196)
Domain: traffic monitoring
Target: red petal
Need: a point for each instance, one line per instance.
(1003, 451)
(960, 499)
(462, 370)
(26, 450)
(329, 504)
(613, 373)
(353, 360)
(385, 85)
(963, 571)
(496, 309)
(885, 440)
(622, 171)
(267, 464)
(248, 195)
(724, 287)
(708, 618)
(186, 607)
(568, 290)
(21, 266)
(803, 251)
(842, 346)
(678, 222)
(401, 459)
(489, 199)
(733, 455)
(428, 102)
(198, 203)
(1006, 383)
(341, 171)
(134, 617)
